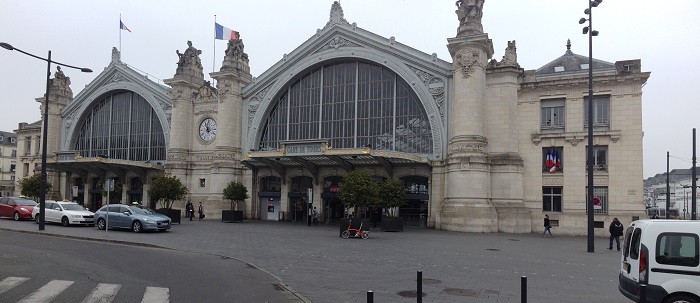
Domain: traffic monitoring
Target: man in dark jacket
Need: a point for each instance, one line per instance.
(616, 230)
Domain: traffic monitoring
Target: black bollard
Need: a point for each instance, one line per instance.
(370, 296)
(642, 293)
(523, 289)
(419, 287)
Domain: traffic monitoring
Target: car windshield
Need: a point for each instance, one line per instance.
(141, 210)
(72, 207)
(25, 202)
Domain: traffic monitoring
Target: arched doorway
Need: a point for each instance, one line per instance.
(333, 208)
(415, 211)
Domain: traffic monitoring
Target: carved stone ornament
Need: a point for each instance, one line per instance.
(118, 78)
(60, 84)
(469, 13)
(435, 86)
(255, 104)
(116, 56)
(235, 55)
(337, 16)
(468, 61)
(68, 122)
(205, 92)
(510, 58)
(189, 66)
(336, 43)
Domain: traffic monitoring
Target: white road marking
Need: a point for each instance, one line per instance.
(156, 295)
(47, 292)
(102, 293)
(10, 282)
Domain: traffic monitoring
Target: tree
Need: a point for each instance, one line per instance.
(167, 190)
(393, 194)
(359, 189)
(235, 191)
(31, 186)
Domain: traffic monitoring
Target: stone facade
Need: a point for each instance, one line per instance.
(486, 169)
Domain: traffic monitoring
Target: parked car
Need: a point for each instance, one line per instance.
(16, 207)
(66, 213)
(664, 255)
(135, 217)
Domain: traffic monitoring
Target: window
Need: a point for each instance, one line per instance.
(553, 115)
(202, 182)
(552, 159)
(28, 146)
(551, 198)
(601, 111)
(13, 140)
(2, 138)
(600, 158)
(680, 249)
(26, 169)
(600, 199)
(14, 153)
(12, 178)
(12, 167)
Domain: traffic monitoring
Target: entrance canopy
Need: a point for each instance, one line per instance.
(315, 155)
(82, 166)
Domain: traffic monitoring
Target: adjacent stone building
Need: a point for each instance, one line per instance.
(480, 144)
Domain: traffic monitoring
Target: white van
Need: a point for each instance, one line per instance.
(664, 255)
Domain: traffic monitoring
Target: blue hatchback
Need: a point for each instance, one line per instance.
(134, 217)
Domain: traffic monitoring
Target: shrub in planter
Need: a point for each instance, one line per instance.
(393, 195)
(235, 192)
(166, 190)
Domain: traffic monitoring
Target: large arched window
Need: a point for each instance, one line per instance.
(350, 104)
(122, 125)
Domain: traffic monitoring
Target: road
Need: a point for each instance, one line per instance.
(53, 269)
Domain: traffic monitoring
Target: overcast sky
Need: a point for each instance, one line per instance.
(82, 33)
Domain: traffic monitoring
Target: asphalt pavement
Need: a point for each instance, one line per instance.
(315, 265)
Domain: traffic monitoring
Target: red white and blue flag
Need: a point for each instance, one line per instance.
(224, 33)
(552, 161)
(123, 27)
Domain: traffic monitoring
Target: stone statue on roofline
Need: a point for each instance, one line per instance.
(469, 13)
(189, 66)
(60, 84)
(235, 57)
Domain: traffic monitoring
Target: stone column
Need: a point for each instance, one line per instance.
(467, 206)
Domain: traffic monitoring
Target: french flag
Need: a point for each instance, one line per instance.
(224, 33)
(122, 26)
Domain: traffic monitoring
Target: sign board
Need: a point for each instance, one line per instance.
(305, 149)
(74, 191)
(597, 203)
(109, 185)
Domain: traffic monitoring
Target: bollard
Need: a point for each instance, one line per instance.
(419, 287)
(523, 289)
(370, 296)
(642, 293)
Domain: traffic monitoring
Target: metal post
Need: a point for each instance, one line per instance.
(42, 186)
(419, 287)
(668, 185)
(523, 289)
(590, 130)
(370, 296)
(694, 175)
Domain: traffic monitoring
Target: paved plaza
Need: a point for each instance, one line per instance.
(316, 265)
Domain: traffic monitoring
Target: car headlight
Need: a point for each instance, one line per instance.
(149, 220)
(24, 209)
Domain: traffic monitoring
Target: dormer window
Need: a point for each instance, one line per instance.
(584, 66)
(558, 69)
(13, 140)
(2, 138)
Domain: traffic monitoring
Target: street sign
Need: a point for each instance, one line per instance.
(597, 204)
(109, 185)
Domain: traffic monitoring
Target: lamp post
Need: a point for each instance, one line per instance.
(589, 30)
(685, 200)
(42, 186)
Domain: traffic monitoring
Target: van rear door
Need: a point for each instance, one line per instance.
(629, 269)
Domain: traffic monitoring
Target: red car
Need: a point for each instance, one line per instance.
(16, 207)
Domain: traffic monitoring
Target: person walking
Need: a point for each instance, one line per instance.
(547, 226)
(616, 231)
(200, 210)
(188, 206)
(314, 216)
(190, 210)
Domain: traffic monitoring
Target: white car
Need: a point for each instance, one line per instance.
(66, 213)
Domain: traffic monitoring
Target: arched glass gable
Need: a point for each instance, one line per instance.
(122, 125)
(350, 104)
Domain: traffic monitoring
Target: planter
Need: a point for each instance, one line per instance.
(173, 214)
(344, 222)
(391, 224)
(231, 216)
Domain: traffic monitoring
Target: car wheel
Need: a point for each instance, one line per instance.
(680, 299)
(101, 224)
(65, 222)
(36, 219)
(16, 216)
(136, 226)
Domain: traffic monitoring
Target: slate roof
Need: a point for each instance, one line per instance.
(572, 64)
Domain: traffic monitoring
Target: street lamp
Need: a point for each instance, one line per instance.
(42, 187)
(685, 200)
(589, 30)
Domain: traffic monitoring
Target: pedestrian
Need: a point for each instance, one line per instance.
(616, 230)
(547, 226)
(314, 216)
(200, 210)
(187, 209)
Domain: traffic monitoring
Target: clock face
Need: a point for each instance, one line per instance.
(207, 129)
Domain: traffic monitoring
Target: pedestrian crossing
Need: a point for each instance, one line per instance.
(102, 293)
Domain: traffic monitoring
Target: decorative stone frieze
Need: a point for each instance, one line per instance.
(254, 103)
(436, 87)
(468, 61)
(553, 181)
(205, 109)
(337, 17)
(337, 42)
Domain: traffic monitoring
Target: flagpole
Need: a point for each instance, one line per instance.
(213, 61)
(120, 33)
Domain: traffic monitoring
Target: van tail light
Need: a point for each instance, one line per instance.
(643, 265)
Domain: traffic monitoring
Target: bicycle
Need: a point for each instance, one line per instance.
(358, 232)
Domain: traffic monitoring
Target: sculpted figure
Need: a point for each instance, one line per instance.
(469, 10)
(235, 47)
(190, 57)
(510, 57)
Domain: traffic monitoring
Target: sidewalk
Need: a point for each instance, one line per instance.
(318, 266)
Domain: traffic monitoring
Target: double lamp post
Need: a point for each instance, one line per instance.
(42, 187)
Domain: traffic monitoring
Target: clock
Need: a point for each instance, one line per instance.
(207, 129)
